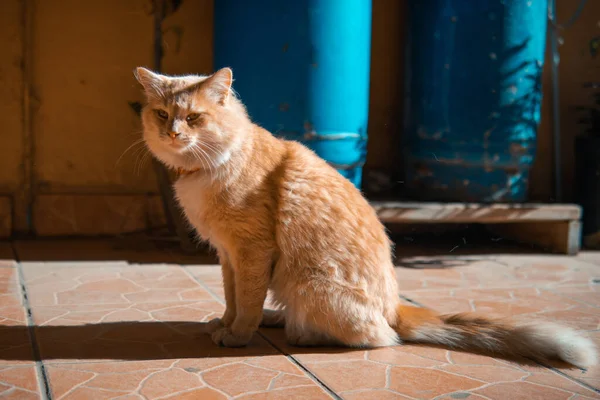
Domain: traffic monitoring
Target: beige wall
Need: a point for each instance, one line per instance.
(11, 105)
(66, 118)
(78, 69)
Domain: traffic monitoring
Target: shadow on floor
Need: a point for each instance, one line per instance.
(132, 249)
(465, 240)
(452, 245)
(138, 341)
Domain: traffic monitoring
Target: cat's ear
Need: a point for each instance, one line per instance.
(153, 83)
(218, 85)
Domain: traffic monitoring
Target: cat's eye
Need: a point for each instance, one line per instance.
(192, 117)
(162, 114)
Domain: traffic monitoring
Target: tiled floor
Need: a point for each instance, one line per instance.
(120, 330)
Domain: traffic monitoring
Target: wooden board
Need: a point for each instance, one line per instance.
(398, 212)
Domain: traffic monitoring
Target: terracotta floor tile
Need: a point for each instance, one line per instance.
(18, 374)
(18, 380)
(240, 378)
(219, 374)
(549, 379)
(128, 331)
(424, 383)
(402, 355)
(288, 380)
(462, 395)
(19, 394)
(202, 393)
(301, 393)
(374, 395)
(418, 371)
(106, 283)
(487, 373)
(352, 375)
(554, 288)
(408, 371)
(592, 257)
(584, 294)
(137, 331)
(579, 317)
(210, 276)
(523, 391)
(164, 383)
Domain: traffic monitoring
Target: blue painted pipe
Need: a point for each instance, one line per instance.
(473, 98)
(302, 69)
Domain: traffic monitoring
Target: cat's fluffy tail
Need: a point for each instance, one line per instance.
(540, 341)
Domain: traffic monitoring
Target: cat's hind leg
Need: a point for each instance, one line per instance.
(342, 321)
(273, 319)
(303, 336)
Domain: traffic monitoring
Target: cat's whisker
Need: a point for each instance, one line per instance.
(199, 156)
(209, 146)
(145, 158)
(138, 163)
(212, 147)
(142, 155)
(208, 160)
(218, 153)
(137, 142)
(139, 154)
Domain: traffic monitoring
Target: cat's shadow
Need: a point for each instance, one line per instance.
(126, 340)
(152, 340)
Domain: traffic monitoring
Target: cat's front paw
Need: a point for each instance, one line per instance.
(225, 337)
(214, 325)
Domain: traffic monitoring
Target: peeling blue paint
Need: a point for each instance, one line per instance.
(473, 98)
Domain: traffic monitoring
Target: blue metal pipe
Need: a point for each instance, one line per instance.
(302, 69)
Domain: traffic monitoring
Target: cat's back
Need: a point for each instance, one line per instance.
(327, 234)
(321, 207)
(307, 179)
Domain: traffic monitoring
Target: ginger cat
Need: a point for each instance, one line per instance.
(282, 219)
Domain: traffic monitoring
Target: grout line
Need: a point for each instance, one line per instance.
(414, 302)
(296, 362)
(290, 357)
(42, 375)
(567, 376)
(203, 285)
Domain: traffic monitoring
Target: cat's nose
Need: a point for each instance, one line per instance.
(173, 135)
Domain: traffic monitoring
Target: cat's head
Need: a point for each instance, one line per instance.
(191, 121)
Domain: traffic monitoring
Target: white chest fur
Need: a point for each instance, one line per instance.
(191, 192)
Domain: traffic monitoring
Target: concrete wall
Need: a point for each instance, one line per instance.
(66, 80)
